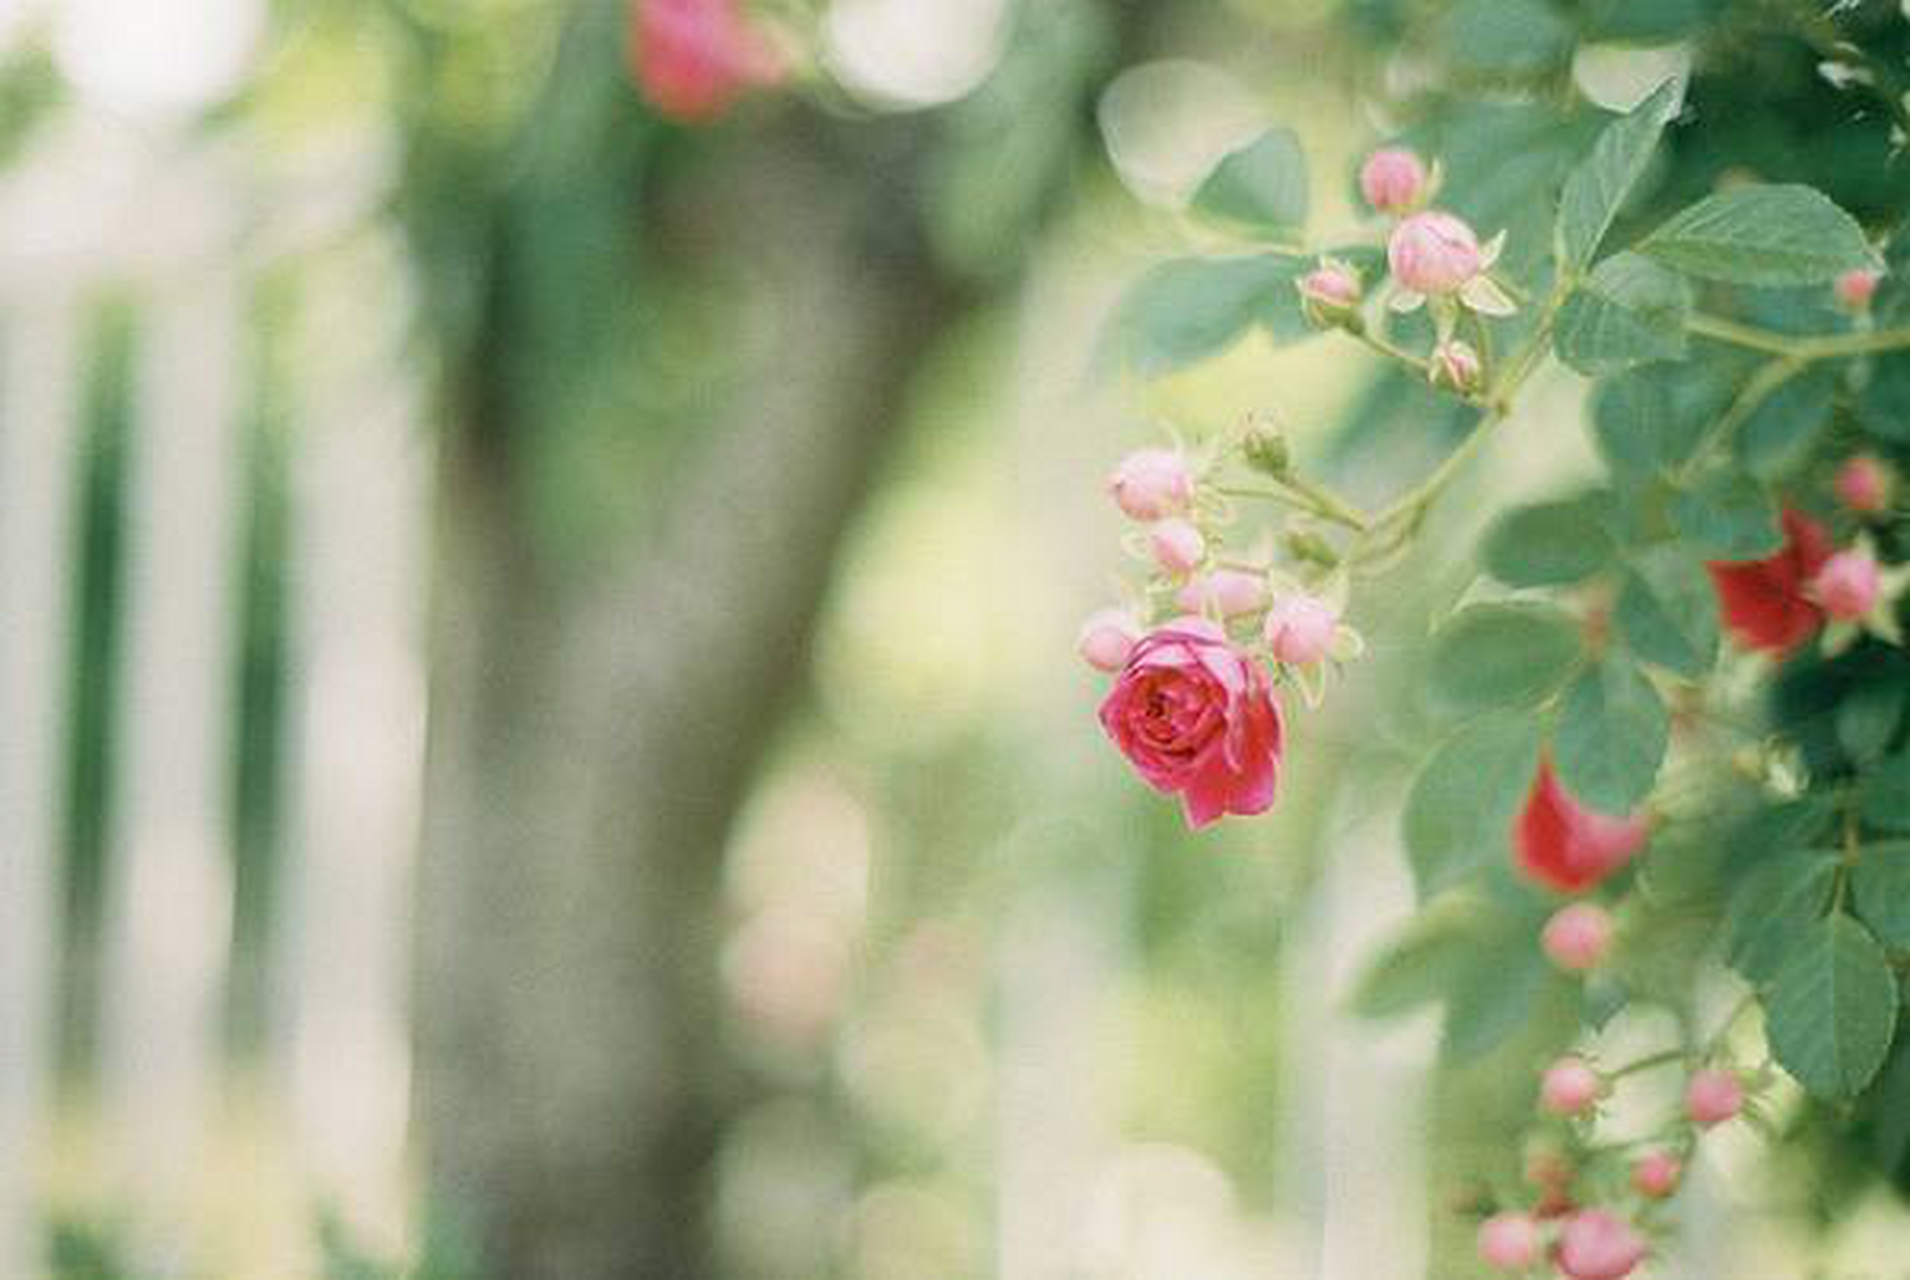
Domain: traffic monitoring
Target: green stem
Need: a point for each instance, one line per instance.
(1799, 347)
(1647, 1063)
(1756, 391)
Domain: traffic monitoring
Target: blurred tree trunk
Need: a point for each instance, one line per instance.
(591, 748)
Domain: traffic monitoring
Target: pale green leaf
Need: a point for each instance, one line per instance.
(1598, 187)
(1832, 1011)
(1781, 234)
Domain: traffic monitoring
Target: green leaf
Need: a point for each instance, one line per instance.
(1502, 655)
(1646, 420)
(1668, 612)
(1832, 1011)
(1772, 907)
(1506, 37)
(1884, 405)
(1611, 736)
(1547, 544)
(1495, 1000)
(1262, 187)
(1888, 1102)
(1629, 311)
(1778, 434)
(1867, 718)
(1728, 516)
(1883, 798)
(1187, 309)
(1419, 965)
(1461, 806)
(1881, 886)
(1781, 234)
(1598, 187)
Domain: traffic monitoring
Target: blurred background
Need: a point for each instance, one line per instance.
(539, 735)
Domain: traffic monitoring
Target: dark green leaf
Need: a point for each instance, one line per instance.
(1867, 718)
(1884, 405)
(1547, 544)
(1461, 805)
(1881, 886)
(1884, 795)
(1506, 37)
(1728, 516)
(1648, 419)
(1772, 907)
(1611, 736)
(1780, 234)
(1262, 187)
(1628, 311)
(1832, 1011)
(1778, 434)
(1598, 187)
(1502, 655)
(1668, 612)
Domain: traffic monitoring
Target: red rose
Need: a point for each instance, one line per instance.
(694, 58)
(1763, 601)
(1564, 845)
(1196, 716)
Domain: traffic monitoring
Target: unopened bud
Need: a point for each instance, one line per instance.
(1265, 448)
(1393, 180)
(1455, 366)
(1330, 295)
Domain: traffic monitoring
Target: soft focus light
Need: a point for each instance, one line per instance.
(1619, 77)
(1166, 124)
(913, 53)
(156, 57)
(16, 18)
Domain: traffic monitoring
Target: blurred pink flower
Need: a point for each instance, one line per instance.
(694, 58)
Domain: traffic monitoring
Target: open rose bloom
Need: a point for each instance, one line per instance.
(1764, 603)
(694, 58)
(1196, 717)
(1564, 845)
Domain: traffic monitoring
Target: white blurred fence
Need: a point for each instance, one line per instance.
(185, 237)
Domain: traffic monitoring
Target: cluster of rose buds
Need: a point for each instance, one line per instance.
(1599, 1242)
(1197, 663)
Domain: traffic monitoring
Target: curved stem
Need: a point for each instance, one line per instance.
(1802, 347)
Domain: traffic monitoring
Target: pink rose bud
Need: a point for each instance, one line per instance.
(1509, 1241)
(1393, 179)
(1107, 638)
(1854, 289)
(1434, 253)
(1330, 293)
(1151, 484)
(1300, 629)
(1456, 367)
(1227, 592)
(1569, 1088)
(1596, 1245)
(1713, 1096)
(1577, 936)
(694, 58)
(1865, 484)
(1848, 584)
(1177, 546)
(1656, 1174)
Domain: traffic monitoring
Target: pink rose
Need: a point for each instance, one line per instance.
(1656, 1174)
(1177, 546)
(1854, 289)
(1509, 1241)
(1596, 1245)
(1300, 629)
(1107, 638)
(1848, 584)
(1392, 179)
(1196, 716)
(1151, 484)
(694, 58)
(1864, 484)
(1576, 936)
(1228, 592)
(1434, 253)
(1713, 1096)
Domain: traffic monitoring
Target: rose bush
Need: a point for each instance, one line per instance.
(1674, 693)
